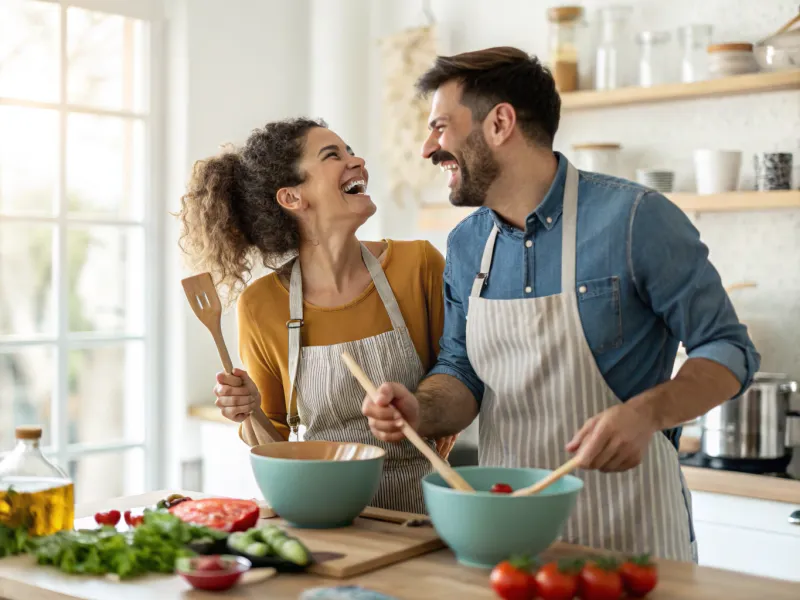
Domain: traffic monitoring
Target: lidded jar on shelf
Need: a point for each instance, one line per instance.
(564, 45)
(34, 492)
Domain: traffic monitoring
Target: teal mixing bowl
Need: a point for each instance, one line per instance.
(317, 485)
(483, 529)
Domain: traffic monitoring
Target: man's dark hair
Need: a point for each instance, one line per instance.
(504, 74)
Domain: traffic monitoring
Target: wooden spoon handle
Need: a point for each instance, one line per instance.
(537, 487)
(446, 471)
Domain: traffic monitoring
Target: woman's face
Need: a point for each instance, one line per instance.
(334, 191)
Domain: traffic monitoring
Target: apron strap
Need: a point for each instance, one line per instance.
(294, 324)
(486, 263)
(384, 289)
(569, 230)
(295, 321)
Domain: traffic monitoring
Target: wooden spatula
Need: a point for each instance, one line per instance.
(446, 471)
(537, 487)
(203, 299)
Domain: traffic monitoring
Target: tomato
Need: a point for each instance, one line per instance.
(226, 514)
(210, 563)
(600, 580)
(107, 518)
(557, 581)
(501, 488)
(639, 575)
(512, 580)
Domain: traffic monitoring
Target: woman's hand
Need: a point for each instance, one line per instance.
(237, 395)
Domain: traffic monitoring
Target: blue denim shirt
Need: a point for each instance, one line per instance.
(643, 278)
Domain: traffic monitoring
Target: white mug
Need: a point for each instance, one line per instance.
(717, 171)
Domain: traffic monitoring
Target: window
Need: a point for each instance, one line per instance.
(77, 228)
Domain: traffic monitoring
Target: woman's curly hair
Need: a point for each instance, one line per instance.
(230, 216)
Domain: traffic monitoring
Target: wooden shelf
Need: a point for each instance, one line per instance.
(725, 86)
(443, 217)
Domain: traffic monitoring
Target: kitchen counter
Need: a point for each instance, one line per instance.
(433, 576)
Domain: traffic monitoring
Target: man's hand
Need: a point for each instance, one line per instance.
(614, 440)
(384, 411)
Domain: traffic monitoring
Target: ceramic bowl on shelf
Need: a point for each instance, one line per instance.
(317, 484)
(483, 528)
(779, 52)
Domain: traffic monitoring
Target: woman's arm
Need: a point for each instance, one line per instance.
(265, 376)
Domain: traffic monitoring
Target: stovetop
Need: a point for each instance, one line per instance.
(767, 467)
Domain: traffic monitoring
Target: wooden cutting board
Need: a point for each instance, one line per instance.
(376, 539)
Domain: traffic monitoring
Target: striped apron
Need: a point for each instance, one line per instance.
(541, 385)
(325, 402)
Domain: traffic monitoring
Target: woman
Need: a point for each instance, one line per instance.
(296, 188)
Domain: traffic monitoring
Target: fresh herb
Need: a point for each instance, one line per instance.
(153, 546)
(13, 540)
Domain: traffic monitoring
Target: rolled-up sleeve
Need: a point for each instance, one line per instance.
(672, 273)
(453, 359)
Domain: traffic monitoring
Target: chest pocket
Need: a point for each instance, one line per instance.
(599, 305)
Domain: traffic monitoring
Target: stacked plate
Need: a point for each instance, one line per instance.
(657, 179)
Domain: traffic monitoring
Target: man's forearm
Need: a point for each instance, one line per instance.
(699, 386)
(446, 406)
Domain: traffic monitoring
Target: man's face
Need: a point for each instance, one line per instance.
(458, 145)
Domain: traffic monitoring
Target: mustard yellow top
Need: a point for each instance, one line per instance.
(414, 270)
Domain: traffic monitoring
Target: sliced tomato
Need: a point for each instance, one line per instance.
(226, 514)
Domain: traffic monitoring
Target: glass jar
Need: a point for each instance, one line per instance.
(611, 68)
(598, 158)
(564, 46)
(34, 493)
(654, 58)
(694, 40)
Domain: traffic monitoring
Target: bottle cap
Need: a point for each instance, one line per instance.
(29, 432)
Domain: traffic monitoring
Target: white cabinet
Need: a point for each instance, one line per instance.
(226, 462)
(748, 535)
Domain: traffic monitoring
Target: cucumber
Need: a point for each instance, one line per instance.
(293, 550)
(239, 541)
(257, 549)
(254, 535)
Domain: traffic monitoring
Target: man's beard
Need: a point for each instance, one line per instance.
(476, 178)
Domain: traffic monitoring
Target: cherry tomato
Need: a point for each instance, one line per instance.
(133, 520)
(512, 580)
(210, 563)
(558, 581)
(501, 488)
(127, 516)
(110, 518)
(600, 580)
(226, 514)
(639, 575)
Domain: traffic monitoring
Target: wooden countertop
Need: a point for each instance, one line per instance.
(430, 577)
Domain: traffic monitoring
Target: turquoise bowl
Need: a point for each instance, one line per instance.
(317, 485)
(483, 529)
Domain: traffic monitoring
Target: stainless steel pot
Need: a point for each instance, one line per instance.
(756, 425)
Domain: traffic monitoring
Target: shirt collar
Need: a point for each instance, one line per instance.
(549, 210)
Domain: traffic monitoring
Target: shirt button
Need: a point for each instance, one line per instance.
(549, 219)
(528, 290)
(528, 244)
(582, 289)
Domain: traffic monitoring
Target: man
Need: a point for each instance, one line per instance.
(566, 296)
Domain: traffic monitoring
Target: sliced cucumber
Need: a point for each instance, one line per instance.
(294, 551)
(257, 549)
(239, 541)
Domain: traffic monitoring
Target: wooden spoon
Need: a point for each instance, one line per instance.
(537, 487)
(203, 299)
(446, 471)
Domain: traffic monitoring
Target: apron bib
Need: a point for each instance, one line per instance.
(541, 384)
(325, 401)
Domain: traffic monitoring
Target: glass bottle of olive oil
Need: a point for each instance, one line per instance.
(34, 493)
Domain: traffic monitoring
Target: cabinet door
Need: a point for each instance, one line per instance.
(749, 551)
